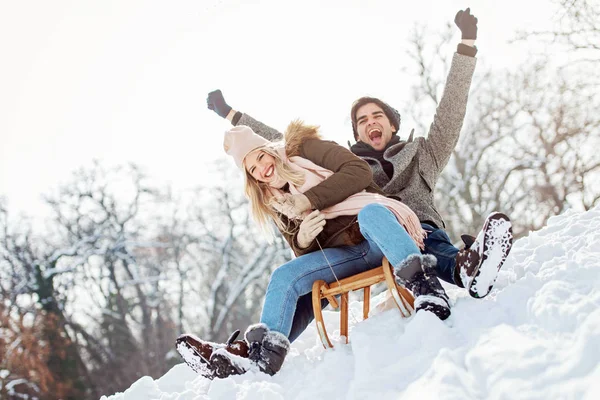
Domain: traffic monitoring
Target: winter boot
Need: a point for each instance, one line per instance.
(267, 352)
(478, 264)
(469, 263)
(417, 274)
(197, 352)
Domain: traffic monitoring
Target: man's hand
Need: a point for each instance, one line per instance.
(216, 102)
(467, 24)
(310, 228)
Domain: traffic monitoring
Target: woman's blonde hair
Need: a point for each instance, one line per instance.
(261, 198)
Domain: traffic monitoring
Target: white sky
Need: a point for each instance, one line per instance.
(126, 81)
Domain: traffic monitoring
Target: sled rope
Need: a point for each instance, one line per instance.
(337, 280)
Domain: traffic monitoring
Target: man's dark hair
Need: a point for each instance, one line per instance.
(390, 112)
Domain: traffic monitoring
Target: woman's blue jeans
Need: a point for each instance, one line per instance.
(290, 282)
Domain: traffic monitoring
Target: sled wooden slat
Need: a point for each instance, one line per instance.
(344, 316)
(355, 282)
(316, 300)
(366, 302)
(321, 290)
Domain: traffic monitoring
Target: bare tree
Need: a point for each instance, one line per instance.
(577, 27)
(124, 269)
(104, 210)
(24, 371)
(85, 279)
(28, 289)
(575, 34)
(24, 353)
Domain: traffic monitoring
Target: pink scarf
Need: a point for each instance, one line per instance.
(315, 174)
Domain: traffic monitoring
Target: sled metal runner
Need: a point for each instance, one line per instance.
(403, 299)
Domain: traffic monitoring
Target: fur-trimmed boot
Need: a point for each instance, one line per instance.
(267, 352)
(417, 274)
(197, 352)
(478, 264)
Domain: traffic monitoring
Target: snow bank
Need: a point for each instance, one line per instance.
(536, 336)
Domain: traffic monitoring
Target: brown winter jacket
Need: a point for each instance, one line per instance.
(351, 175)
(417, 163)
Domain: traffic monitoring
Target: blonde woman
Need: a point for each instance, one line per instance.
(324, 202)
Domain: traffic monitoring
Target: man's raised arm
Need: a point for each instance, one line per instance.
(450, 113)
(216, 102)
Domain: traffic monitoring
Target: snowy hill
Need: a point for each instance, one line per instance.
(536, 336)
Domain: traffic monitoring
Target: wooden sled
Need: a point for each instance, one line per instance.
(402, 297)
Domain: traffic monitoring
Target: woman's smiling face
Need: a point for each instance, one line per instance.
(260, 165)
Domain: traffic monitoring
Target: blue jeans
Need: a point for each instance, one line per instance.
(292, 282)
(438, 243)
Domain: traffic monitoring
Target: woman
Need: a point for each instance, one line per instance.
(322, 199)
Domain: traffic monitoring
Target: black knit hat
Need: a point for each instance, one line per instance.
(390, 112)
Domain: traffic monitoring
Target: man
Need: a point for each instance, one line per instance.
(409, 169)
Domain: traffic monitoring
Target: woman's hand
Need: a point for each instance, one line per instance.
(294, 206)
(310, 228)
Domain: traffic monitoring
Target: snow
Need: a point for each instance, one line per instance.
(535, 336)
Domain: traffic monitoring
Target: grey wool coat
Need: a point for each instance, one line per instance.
(418, 162)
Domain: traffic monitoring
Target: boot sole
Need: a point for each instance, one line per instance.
(196, 352)
(495, 246)
(196, 361)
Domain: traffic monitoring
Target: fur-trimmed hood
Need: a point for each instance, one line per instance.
(297, 133)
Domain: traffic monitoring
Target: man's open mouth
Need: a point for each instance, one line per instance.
(375, 134)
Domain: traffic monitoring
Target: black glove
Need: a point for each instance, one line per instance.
(216, 102)
(467, 24)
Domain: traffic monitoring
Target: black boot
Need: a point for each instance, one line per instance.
(417, 274)
(267, 352)
(465, 260)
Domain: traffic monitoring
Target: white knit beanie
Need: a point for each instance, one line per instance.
(240, 141)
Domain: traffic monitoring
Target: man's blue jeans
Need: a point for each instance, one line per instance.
(290, 282)
(437, 243)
